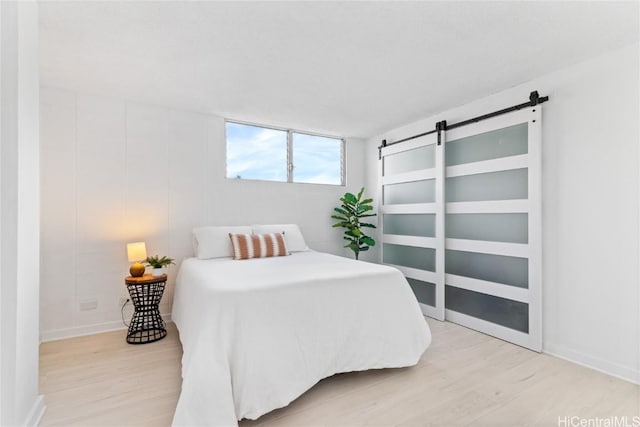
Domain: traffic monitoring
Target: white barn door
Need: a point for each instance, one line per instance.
(488, 242)
(493, 227)
(412, 211)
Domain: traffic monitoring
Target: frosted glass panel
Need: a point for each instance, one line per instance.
(505, 312)
(410, 192)
(503, 185)
(425, 291)
(509, 270)
(494, 227)
(409, 256)
(410, 160)
(423, 225)
(505, 142)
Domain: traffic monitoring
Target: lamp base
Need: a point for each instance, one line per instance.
(136, 270)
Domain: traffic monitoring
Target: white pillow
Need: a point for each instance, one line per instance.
(214, 242)
(292, 235)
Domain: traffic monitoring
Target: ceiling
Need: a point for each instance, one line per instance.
(344, 68)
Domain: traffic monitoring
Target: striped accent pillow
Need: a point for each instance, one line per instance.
(247, 246)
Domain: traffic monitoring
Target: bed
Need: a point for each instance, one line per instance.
(258, 333)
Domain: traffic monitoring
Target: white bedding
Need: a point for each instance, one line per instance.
(258, 333)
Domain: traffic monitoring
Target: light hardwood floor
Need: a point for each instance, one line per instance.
(464, 378)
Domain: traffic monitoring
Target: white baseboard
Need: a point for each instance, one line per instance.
(623, 372)
(36, 412)
(79, 331)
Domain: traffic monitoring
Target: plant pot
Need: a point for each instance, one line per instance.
(157, 271)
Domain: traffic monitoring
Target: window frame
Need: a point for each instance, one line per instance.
(289, 166)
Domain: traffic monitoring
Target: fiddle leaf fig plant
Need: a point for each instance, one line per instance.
(349, 216)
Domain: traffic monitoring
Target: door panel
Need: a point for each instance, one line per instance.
(412, 210)
(493, 229)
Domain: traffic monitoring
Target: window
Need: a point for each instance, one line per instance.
(257, 152)
(316, 159)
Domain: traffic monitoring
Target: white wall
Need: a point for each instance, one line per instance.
(115, 172)
(19, 216)
(590, 205)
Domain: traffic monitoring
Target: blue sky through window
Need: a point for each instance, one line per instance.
(317, 159)
(255, 152)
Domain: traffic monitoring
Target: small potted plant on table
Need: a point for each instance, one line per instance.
(159, 264)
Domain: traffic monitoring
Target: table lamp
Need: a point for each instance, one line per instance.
(136, 252)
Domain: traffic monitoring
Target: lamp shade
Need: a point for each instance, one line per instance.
(136, 251)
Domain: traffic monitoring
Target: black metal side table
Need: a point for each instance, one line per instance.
(146, 324)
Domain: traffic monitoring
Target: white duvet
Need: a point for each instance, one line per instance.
(258, 333)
